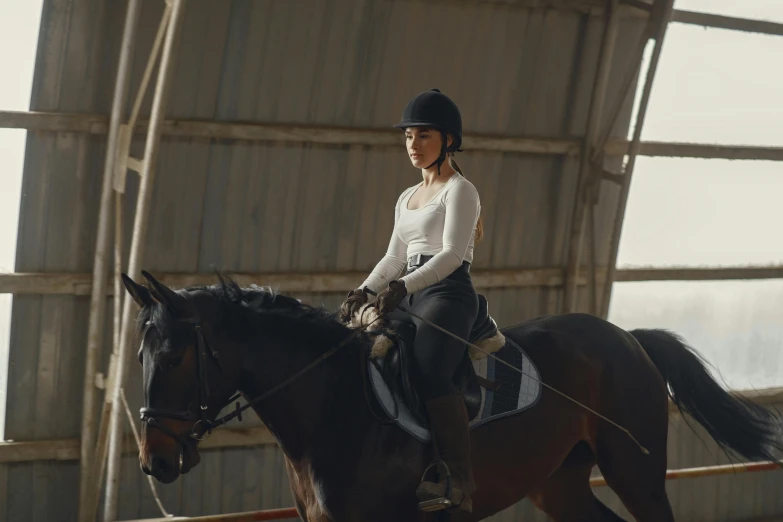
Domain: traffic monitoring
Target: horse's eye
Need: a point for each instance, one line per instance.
(173, 362)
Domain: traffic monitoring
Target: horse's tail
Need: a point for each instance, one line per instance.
(733, 421)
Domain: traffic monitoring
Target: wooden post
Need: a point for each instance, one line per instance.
(589, 143)
(119, 176)
(151, 149)
(617, 228)
(100, 266)
(592, 279)
(625, 86)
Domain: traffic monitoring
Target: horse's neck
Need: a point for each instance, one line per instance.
(296, 414)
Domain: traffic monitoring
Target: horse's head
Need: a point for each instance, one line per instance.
(189, 369)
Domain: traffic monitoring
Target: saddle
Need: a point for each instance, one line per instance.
(392, 356)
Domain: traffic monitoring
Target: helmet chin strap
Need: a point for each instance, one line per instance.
(443, 154)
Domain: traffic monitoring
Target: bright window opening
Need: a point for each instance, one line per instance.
(19, 25)
(712, 86)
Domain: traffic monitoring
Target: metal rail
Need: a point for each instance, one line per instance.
(674, 474)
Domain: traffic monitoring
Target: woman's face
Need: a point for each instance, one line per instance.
(423, 145)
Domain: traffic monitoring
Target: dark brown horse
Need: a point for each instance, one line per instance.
(202, 344)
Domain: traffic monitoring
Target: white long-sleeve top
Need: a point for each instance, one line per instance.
(444, 228)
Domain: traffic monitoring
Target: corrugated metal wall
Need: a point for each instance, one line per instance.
(244, 206)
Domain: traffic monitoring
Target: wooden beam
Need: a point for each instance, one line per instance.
(698, 150)
(357, 136)
(68, 449)
(519, 278)
(579, 6)
(647, 7)
(639, 9)
(54, 122)
(700, 274)
(584, 186)
(568, 5)
(311, 282)
(56, 283)
(727, 22)
(256, 131)
(73, 283)
(614, 177)
(631, 8)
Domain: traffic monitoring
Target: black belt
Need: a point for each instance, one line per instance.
(418, 260)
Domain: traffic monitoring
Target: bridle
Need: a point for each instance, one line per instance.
(202, 426)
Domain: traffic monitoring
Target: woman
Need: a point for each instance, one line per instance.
(436, 224)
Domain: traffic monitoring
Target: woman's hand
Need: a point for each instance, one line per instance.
(356, 298)
(389, 298)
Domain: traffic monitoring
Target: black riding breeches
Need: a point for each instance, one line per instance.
(452, 304)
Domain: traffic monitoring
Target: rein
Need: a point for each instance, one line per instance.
(238, 412)
(202, 426)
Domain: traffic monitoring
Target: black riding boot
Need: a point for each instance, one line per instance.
(451, 431)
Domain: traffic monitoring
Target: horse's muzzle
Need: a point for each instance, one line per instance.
(167, 470)
(162, 469)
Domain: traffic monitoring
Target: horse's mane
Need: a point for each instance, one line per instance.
(241, 308)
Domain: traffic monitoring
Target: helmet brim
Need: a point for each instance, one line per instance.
(406, 124)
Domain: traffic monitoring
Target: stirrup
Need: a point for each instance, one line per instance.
(438, 503)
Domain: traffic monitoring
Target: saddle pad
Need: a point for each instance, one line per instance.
(516, 393)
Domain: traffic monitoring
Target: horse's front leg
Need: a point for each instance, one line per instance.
(305, 500)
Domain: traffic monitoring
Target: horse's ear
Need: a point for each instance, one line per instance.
(139, 294)
(165, 295)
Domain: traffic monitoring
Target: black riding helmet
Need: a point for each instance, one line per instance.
(434, 109)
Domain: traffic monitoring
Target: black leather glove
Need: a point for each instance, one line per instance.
(389, 298)
(356, 298)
